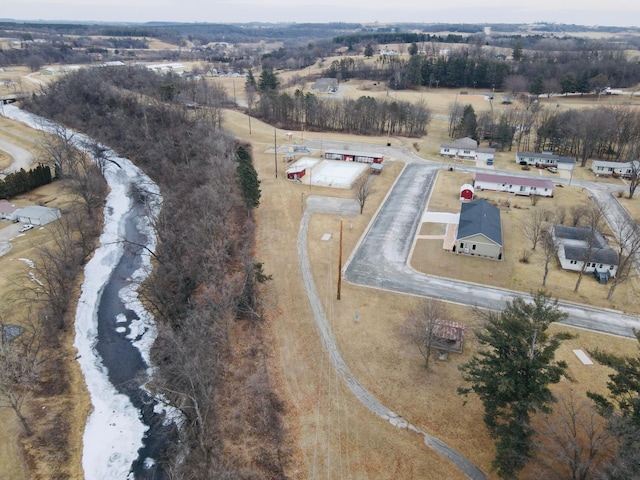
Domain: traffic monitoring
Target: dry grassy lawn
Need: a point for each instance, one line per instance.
(511, 273)
(337, 435)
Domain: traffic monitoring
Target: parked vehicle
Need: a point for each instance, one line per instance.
(26, 228)
(552, 169)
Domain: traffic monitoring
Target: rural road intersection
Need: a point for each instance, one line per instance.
(380, 261)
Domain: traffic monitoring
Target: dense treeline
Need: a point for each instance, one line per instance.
(205, 283)
(364, 116)
(563, 72)
(20, 182)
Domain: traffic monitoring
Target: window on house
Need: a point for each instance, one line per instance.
(473, 247)
(600, 266)
(611, 267)
(461, 244)
(466, 151)
(522, 188)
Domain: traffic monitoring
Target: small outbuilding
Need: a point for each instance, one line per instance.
(296, 173)
(448, 336)
(36, 215)
(466, 192)
(353, 156)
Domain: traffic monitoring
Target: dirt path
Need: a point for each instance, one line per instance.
(331, 205)
(21, 158)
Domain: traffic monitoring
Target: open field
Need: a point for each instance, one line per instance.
(340, 437)
(366, 324)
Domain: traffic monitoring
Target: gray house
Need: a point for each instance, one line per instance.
(479, 230)
(574, 251)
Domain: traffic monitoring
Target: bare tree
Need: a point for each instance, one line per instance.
(362, 188)
(19, 366)
(573, 443)
(627, 243)
(577, 213)
(595, 220)
(60, 150)
(533, 225)
(634, 177)
(87, 183)
(420, 324)
(549, 248)
(455, 115)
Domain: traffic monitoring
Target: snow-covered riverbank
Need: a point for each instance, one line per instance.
(114, 430)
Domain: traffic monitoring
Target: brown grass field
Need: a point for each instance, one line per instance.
(339, 437)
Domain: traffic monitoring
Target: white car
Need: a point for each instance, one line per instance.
(26, 228)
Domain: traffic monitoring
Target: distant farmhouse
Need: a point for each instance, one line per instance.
(517, 185)
(479, 230)
(573, 251)
(544, 160)
(615, 169)
(467, 149)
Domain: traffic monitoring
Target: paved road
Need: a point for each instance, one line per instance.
(21, 158)
(394, 228)
(350, 207)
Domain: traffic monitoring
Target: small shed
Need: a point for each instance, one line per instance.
(466, 192)
(36, 215)
(448, 336)
(375, 168)
(296, 173)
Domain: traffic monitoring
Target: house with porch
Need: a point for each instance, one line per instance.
(544, 160)
(616, 169)
(577, 245)
(479, 230)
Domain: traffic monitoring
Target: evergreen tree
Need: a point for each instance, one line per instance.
(537, 86)
(250, 82)
(248, 178)
(468, 126)
(368, 51)
(413, 49)
(622, 411)
(511, 373)
(268, 81)
(517, 53)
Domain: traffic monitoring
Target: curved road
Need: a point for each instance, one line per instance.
(394, 228)
(350, 207)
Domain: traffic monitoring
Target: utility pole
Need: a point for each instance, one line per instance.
(340, 262)
(275, 151)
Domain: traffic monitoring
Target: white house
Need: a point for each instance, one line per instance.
(573, 251)
(512, 184)
(466, 148)
(617, 169)
(544, 160)
(461, 148)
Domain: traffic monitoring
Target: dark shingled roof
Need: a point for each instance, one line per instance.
(601, 251)
(480, 217)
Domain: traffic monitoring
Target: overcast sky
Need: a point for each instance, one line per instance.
(585, 12)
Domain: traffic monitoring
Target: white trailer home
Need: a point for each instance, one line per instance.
(544, 160)
(616, 169)
(517, 185)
